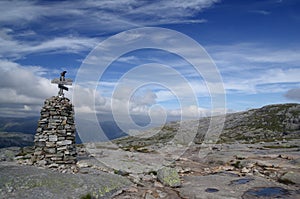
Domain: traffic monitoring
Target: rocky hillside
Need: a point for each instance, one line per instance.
(269, 123)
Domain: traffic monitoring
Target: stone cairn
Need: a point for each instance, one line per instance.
(55, 136)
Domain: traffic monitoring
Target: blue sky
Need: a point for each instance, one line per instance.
(254, 44)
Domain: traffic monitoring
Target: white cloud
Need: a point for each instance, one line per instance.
(170, 12)
(262, 12)
(83, 109)
(95, 15)
(20, 11)
(262, 82)
(194, 112)
(293, 94)
(24, 81)
(251, 67)
(189, 112)
(280, 76)
(77, 17)
(13, 48)
(23, 89)
(246, 68)
(253, 53)
(27, 108)
(147, 98)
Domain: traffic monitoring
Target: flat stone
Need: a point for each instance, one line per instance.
(296, 162)
(50, 144)
(52, 138)
(41, 162)
(38, 153)
(62, 148)
(50, 150)
(61, 138)
(82, 164)
(291, 177)
(149, 196)
(64, 142)
(61, 131)
(169, 177)
(158, 184)
(70, 138)
(40, 144)
(56, 158)
(53, 165)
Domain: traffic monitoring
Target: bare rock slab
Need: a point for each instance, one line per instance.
(291, 177)
(226, 185)
(31, 182)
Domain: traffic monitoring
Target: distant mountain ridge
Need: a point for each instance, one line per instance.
(26, 125)
(269, 123)
(9, 139)
(20, 131)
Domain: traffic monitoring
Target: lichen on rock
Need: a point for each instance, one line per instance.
(169, 177)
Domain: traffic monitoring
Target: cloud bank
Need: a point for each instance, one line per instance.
(293, 94)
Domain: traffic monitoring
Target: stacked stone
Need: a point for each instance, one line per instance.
(55, 135)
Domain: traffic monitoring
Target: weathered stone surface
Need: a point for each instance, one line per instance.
(50, 150)
(228, 170)
(296, 162)
(35, 183)
(196, 186)
(64, 142)
(8, 154)
(291, 177)
(52, 138)
(169, 177)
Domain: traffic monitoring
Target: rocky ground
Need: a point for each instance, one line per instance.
(261, 170)
(261, 164)
(19, 181)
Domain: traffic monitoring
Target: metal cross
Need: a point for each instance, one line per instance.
(61, 82)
